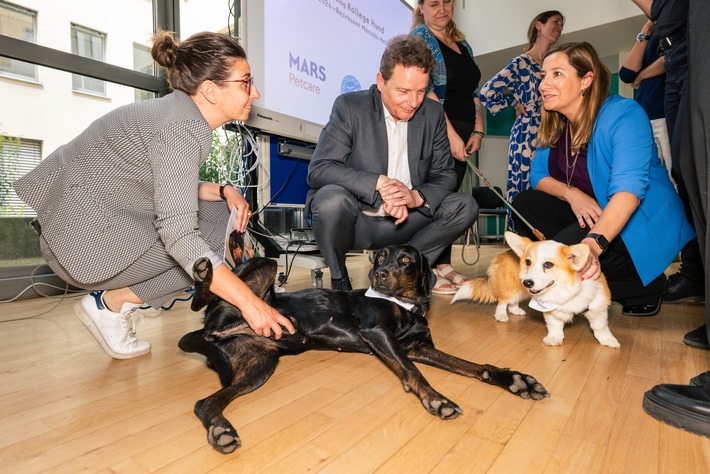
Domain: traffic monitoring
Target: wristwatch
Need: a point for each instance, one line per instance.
(641, 37)
(421, 194)
(600, 240)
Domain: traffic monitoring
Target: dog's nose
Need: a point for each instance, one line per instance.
(528, 283)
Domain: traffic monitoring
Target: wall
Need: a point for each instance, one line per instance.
(501, 24)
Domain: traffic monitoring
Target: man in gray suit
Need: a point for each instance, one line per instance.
(382, 171)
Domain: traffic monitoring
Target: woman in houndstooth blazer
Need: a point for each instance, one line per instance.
(120, 209)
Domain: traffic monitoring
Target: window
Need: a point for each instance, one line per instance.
(89, 44)
(53, 113)
(17, 157)
(19, 23)
(143, 62)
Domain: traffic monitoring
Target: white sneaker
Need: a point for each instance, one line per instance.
(114, 331)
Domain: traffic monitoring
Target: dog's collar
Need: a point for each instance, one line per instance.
(542, 306)
(372, 293)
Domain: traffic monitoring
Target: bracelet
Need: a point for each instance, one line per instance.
(476, 132)
(221, 192)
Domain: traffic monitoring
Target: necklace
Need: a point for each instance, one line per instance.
(569, 170)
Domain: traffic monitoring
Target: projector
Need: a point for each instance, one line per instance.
(304, 235)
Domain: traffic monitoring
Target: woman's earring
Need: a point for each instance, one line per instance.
(583, 91)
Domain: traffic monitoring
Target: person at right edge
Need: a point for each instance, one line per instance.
(688, 406)
(670, 18)
(643, 69)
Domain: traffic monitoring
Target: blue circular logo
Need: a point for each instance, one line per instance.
(349, 84)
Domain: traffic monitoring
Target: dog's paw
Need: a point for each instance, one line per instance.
(526, 386)
(522, 385)
(553, 340)
(223, 437)
(201, 270)
(606, 338)
(609, 341)
(443, 408)
(501, 317)
(516, 310)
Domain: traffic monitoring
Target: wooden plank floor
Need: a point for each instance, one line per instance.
(67, 407)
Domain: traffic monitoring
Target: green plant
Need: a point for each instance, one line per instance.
(9, 157)
(212, 169)
(224, 163)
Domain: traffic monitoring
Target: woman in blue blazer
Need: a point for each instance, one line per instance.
(597, 179)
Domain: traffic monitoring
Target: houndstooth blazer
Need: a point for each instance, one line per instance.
(130, 179)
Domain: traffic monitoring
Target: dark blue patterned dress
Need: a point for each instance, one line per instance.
(517, 84)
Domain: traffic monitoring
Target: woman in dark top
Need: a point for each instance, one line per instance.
(454, 83)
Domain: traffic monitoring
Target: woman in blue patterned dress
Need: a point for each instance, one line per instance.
(517, 86)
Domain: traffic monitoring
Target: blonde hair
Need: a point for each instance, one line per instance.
(451, 30)
(584, 59)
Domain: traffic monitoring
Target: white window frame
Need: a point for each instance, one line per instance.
(87, 84)
(14, 68)
(141, 56)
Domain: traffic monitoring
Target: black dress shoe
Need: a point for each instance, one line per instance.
(683, 406)
(682, 290)
(701, 380)
(698, 337)
(341, 284)
(641, 310)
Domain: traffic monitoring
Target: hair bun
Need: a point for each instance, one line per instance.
(165, 50)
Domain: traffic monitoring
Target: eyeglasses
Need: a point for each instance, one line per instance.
(248, 82)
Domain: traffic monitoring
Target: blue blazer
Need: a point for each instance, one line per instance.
(622, 156)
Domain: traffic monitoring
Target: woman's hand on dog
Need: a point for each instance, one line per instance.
(265, 320)
(262, 318)
(593, 269)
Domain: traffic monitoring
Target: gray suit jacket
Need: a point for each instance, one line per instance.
(352, 150)
(129, 181)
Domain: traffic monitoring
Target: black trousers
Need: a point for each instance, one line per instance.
(695, 146)
(340, 226)
(555, 219)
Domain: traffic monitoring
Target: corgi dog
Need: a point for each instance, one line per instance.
(547, 273)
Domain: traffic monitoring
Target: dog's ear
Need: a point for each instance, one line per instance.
(427, 278)
(202, 274)
(517, 242)
(576, 255)
(259, 274)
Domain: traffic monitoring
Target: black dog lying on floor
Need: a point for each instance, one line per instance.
(353, 321)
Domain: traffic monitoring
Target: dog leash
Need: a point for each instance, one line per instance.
(537, 233)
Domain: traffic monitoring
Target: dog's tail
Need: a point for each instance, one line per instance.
(477, 289)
